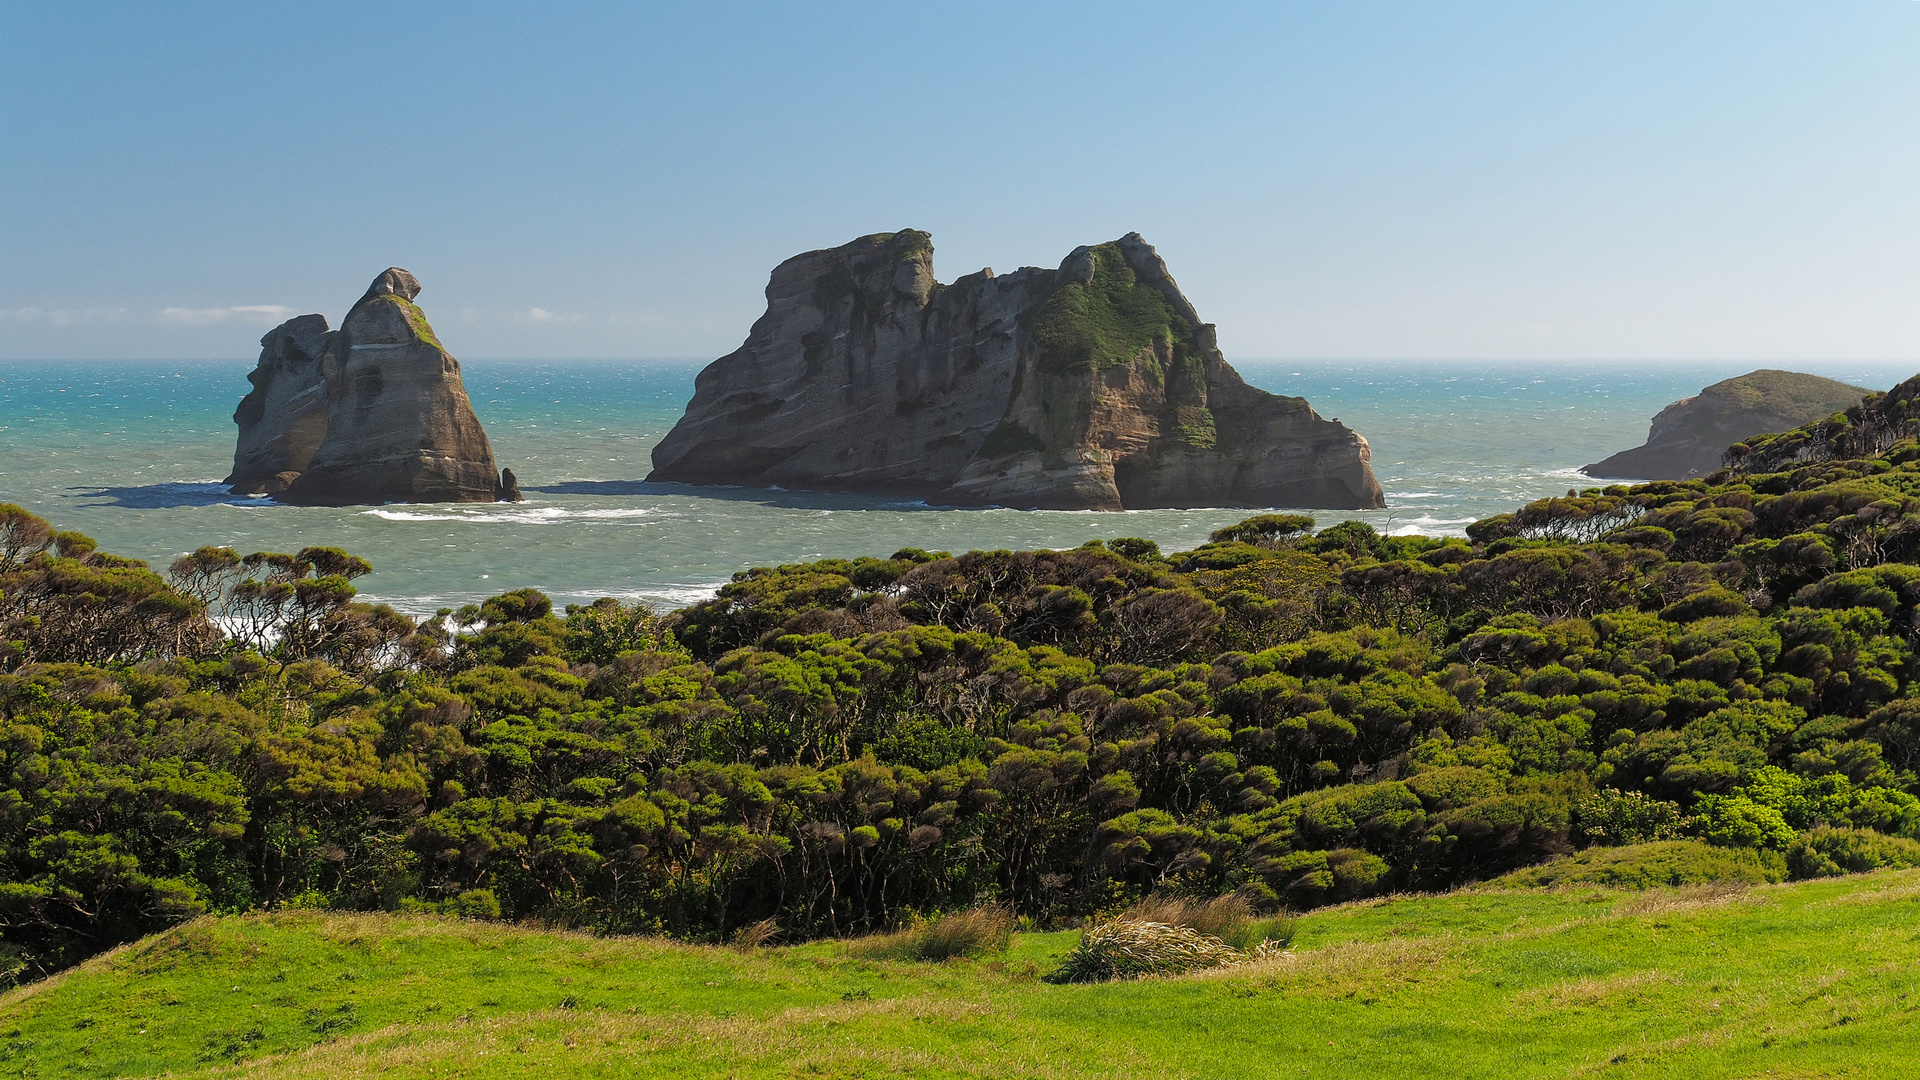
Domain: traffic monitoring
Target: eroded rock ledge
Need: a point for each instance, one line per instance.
(1093, 386)
(370, 413)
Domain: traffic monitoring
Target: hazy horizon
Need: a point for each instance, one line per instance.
(1825, 365)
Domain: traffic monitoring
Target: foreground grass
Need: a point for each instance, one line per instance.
(1808, 980)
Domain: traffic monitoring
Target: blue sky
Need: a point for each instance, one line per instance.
(1554, 180)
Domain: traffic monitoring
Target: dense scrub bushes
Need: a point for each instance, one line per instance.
(839, 747)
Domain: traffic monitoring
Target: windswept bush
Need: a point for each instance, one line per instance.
(1288, 716)
(1828, 852)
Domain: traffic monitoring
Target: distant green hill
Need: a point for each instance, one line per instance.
(1709, 980)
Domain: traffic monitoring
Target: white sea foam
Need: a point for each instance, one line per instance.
(495, 514)
(1427, 525)
(669, 595)
(677, 595)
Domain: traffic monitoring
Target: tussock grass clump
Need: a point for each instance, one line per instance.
(1166, 934)
(1230, 918)
(1130, 948)
(974, 932)
(756, 935)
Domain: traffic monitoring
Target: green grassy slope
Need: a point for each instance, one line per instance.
(1811, 979)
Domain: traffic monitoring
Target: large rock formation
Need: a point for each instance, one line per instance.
(1094, 386)
(373, 412)
(1690, 437)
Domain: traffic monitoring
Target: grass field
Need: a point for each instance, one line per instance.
(1806, 980)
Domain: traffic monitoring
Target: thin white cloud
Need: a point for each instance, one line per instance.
(262, 314)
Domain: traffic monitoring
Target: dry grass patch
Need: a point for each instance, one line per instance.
(1358, 970)
(756, 935)
(1611, 991)
(977, 931)
(1683, 898)
(836, 1040)
(1229, 918)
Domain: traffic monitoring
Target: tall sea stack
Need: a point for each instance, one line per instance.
(373, 412)
(1093, 386)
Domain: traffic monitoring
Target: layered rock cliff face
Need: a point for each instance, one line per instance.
(1093, 386)
(373, 412)
(1690, 437)
(284, 419)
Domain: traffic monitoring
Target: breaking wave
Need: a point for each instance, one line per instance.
(506, 514)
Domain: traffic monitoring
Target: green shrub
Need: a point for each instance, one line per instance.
(1740, 821)
(1643, 866)
(1826, 852)
(472, 904)
(1611, 816)
(308, 900)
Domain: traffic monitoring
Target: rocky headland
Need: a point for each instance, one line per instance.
(1091, 386)
(1877, 425)
(370, 413)
(1690, 438)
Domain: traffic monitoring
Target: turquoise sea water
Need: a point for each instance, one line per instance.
(131, 453)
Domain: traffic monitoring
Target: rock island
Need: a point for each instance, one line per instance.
(370, 413)
(1094, 386)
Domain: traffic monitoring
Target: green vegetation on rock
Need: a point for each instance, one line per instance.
(416, 318)
(1010, 438)
(1196, 427)
(1090, 325)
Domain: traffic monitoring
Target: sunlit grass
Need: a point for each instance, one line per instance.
(1811, 979)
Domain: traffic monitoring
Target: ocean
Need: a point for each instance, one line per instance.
(131, 452)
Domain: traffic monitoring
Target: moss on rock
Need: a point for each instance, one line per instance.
(1107, 320)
